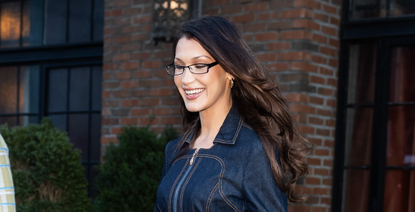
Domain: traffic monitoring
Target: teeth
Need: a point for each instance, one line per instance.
(190, 92)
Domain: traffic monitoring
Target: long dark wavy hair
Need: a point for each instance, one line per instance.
(256, 97)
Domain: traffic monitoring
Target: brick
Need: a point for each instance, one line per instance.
(110, 103)
(140, 112)
(148, 121)
(141, 37)
(334, 43)
(170, 120)
(143, 19)
(332, 82)
(296, 98)
(322, 172)
(267, 57)
(120, 112)
(303, 66)
(162, 54)
(329, 9)
(278, 66)
(328, 143)
(266, 36)
(129, 103)
(108, 140)
(121, 94)
(326, 71)
(161, 92)
(140, 93)
(107, 121)
(106, 94)
(331, 103)
(304, 45)
(307, 3)
(151, 64)
(278, 46)
(141, 56)
(109, 67)
(321, 152)
(297, 13)
(318, 59)
(329, 30)
(296, 34)
(277, 5)
(313, 181)
(330, 123)
(335, 21)
(243, 18)
(316, 141)
(316, 100)
(325, 91)
(323, 132)
(319, 38)
(256, 7)
(314, 161)
(116, 130)
(279, 25)
(122, 39)
(254, 27)
(131, 47)
(170, 101)
(148, 102)
(315, 120)
(267, 16)
(121, 57)
(129, 121)
(160, 111)
(112, 13)
(318, 80)
(294, 77)
(149, 83)
(323, 112)
(334, 63)
(122, 75)
(304, 23)
(328, 51)
(118, 3)
(110, 85)
(233, 9)
(132, 11)
(325, 201)
(306, 129)
(320, 191)
(141, 74)
(219, 2)
(321, 17)
(122, 21)
(294, 56)
(130, 84)
(130, 65)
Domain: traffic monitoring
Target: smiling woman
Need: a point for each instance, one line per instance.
(238, 151)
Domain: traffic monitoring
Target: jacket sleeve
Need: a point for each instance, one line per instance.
(164, 169)
(260, 188)
(7, 202)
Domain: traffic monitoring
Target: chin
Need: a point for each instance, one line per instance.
(193, 107)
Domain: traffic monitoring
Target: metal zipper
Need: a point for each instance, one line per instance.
(176, 192)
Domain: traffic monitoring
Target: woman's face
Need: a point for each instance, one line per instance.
(201, 91)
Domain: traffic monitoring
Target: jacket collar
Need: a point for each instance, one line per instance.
(229, 130)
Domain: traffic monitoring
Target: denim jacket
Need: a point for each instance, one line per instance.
(233, 175)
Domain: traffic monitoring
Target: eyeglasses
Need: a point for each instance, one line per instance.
(175, 70)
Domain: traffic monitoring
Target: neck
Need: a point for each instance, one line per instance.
(211, 121)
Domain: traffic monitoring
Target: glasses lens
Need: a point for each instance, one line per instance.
(170, 69)
(199, 69)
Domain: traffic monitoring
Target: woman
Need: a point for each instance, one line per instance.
(237, 152)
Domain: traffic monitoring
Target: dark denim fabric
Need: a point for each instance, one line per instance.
(233, 175)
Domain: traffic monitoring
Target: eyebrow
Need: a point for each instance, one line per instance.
(176, 58)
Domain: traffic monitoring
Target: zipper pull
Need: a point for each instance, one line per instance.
(193, 157)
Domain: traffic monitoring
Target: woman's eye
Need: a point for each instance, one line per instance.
(178, 67)
(200, 66)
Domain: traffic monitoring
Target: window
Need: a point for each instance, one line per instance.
(51, 66)
(375, 141)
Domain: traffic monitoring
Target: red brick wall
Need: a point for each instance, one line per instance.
(297, 40)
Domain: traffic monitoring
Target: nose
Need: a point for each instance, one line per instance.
(187, 76)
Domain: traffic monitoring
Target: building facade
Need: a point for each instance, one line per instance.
(344, 66)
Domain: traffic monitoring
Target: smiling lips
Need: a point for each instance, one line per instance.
(193, 93)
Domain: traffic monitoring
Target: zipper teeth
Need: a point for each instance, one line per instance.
(175, 198)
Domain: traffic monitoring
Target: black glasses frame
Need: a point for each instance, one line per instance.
(208, 67)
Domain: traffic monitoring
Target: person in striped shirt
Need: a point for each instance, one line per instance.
(7, 202)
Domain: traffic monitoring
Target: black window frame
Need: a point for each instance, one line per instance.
(387, 33)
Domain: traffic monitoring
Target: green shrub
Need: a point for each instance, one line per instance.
(47, 172)
(128, 179)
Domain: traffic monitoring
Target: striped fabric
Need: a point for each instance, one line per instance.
(7, 203)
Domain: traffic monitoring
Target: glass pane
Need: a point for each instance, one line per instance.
(80, 21)
(356, 190)
(96, 87)
(26, 23)
(34, 23)
(78, 133)
(79, 89)
(55, 21)
(8, 90)
(95, 137)
(402, 7)
(401, 140)
(403, 75)
(25, 120)
(59, 121)
(10, 24)
(11, 121)
(399, 191)
(98, 23)
(358, 136)
(29, 89)
(57, 90)
(362, 67)
(362, 9)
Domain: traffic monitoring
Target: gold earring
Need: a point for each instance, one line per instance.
(231, 83)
